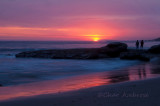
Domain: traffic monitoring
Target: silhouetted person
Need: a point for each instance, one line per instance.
(137, 44)
(142, 43)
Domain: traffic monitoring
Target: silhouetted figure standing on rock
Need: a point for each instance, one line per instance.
(142, 43)
(137, 44)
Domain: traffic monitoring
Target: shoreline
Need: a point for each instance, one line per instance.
(120, 94)
(91, 81)
(86, 67)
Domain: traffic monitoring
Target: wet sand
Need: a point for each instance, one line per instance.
(137, 93)
(134, 86)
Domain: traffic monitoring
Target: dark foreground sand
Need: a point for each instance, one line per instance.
(137, 93)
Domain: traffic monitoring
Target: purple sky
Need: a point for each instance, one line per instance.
(79, 19)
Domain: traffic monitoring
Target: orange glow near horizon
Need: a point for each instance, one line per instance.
(66, 33)
(96, 39)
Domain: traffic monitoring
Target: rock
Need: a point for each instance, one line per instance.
(114, 49)
(155, 49)
(111, 50)
(90, 53)
(135, 56)
(117, 45)
(103, 55)
(91, 56)
(0, 85)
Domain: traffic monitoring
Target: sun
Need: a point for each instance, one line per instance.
(96, 39)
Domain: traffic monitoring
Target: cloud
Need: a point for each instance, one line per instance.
(116, 17)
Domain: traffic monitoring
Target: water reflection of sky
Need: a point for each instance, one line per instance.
(139, 72)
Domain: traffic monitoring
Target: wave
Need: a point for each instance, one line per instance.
(21, 49)
(11, 52)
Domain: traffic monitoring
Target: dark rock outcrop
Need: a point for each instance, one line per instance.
(0, 85)
(135, 55)
(62, 54)
(114, 49)
(111, 50)
(155, 49)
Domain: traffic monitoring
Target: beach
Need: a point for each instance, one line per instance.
(70, 82)
(136, 85)
(136, 93)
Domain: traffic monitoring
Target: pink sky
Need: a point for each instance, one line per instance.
(79, 19)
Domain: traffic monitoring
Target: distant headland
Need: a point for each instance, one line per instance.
(157, 39)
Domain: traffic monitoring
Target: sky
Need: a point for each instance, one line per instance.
(85, 20)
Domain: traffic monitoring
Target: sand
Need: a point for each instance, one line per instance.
(134, 93)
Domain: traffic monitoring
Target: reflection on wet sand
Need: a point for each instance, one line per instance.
(119, 78)
(139, 72)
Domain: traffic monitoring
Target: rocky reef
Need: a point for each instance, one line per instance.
(144, 55)
(111, 50)
(115, 49)
(155, 49)
(131, 54)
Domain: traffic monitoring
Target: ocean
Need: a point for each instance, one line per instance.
(15, 71)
